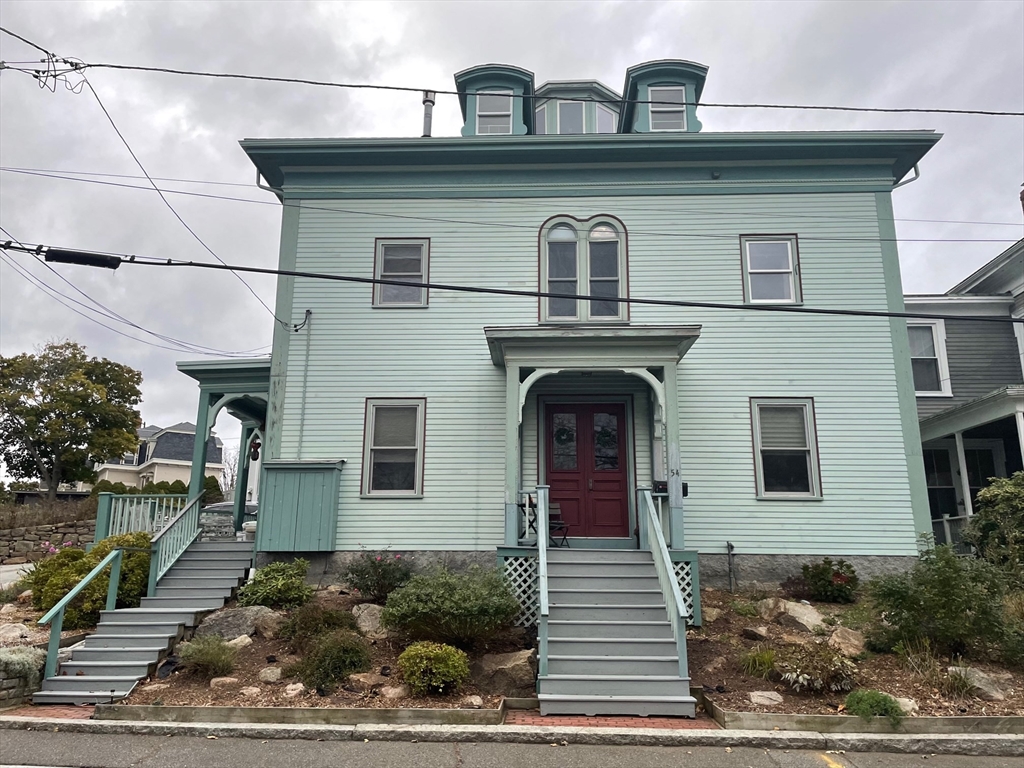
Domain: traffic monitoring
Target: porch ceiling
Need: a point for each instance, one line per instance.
(1004, 402)
(579, 346)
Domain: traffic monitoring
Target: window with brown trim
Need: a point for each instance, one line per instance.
(404, 261)
(393, 447)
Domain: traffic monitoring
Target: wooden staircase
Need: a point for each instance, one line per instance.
(610, 648)
(129, 643)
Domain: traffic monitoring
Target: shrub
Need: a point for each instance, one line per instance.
(312, 621)
(433, 668)
(744, 608)
(53, 577)
(867, 703)
(24, 662)
(956, 603)
(816, 668)
(997, 527)
(213, 494)
(461, 609)
(278, 585)
(920, 659)
(831, 582)
(759, 661)
(796, 588)
(377, 574)
(331, 659)
(208, 656)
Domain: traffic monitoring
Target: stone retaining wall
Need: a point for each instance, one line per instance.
(17, 688)
(21, 545)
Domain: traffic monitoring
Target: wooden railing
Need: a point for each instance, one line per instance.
(172, 540)
(652, 538)
(542, 579)
(128, 513)
(55, 616)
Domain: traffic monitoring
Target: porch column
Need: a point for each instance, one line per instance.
(673, 468)
(199, 444)
(511, 454)
(965, 485)
(242, 475)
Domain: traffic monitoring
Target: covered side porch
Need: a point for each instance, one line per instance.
(963, 448)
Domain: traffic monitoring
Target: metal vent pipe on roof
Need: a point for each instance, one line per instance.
(428, 111)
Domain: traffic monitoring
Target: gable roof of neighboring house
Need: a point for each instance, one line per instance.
(1004, 274)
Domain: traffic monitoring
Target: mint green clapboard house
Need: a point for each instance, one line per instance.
(609, 450)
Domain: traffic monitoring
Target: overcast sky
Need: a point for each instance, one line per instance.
(883, 54)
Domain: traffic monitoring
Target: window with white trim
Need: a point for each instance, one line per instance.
(586, 260)
(405, 261)
(606, 119)
(540, 120)
(785, 448)
(668, 108)
(493, 112)
(771, 270)
(570, 117)
(928, 358)
(393, 447)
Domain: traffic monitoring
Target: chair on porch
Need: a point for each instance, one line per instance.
(558, 529)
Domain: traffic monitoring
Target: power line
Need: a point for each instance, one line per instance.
(74, 176)
(532, 227)
(79, 67)
(68, 257)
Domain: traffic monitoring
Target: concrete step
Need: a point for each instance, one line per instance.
(199, 582)
(178, 570)
(643, 706)
(624, 646)
(222, 559)
(223, 545)
(144, 653)
(600, 568)
(573, 555)
(98, 683)
(118, 626)
(604, 596)
(150, 616)
(194, 602)
(130, 640)
(614, 685)
(77, 697)
(628, 582)
(203, 592)
(610, 629)
(651, 612)
(134, 669)
(664, 666)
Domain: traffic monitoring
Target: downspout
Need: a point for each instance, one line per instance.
(277, 191)
(305, 377)
(915, 177)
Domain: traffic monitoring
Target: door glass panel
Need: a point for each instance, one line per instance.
(981, 465)
(938, 473)
(563, 442)
(606, 441)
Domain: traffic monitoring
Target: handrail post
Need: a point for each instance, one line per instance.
(154, 567)
(53, 647)
(115, 580)
(542, 579)
(642, 518)
(103, 504)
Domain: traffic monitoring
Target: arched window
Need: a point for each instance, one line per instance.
(583, 259)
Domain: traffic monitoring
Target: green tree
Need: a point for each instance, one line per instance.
(214, 495)
(61, 411)
(997, 528)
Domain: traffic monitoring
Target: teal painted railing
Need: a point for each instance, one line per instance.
(55, 616)
(652, 538)
(173, 539)
(542, 579)
(128, 513)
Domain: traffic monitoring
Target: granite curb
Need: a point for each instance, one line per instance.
(1000, 745)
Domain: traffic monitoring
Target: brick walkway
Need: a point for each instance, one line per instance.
(54, 710)
(533, 717)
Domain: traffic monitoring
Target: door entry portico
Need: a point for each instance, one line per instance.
(587, 467)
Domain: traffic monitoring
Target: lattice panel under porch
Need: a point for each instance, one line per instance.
(520, 573)
(684, 579)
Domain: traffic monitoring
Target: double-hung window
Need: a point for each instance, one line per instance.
(928, 358)
(404, 261)
(668, 108)
(771, 270)
(785, 448)
(393, 447)
(584, 260)
(494, 112)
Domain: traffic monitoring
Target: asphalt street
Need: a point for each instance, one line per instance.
(35, 748)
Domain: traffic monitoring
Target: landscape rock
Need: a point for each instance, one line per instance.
(791, 639)
(714, 665)
(157, 686)
(983, 686)
(294, 690)
(270, 674)
(511, 674)
(771, 608)
(756, 633)
(232, 622)
(472, 702)
(848, 642)
(251, 690)
(908, 705)
(368, 620)
(333, 589)
(8, 608)
(10, 633)
(366, 681)
(787, 613)
(26, 596)
(223, 682)
(710, 614)
(240, 642)
(395, 691)
(268, 625)
(765, 698)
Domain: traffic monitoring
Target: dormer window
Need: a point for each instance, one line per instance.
(494, 112)
(668, 110)
(570, 117)
(605, 120)
(540, 121)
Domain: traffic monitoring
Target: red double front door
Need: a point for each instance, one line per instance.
(587, 467)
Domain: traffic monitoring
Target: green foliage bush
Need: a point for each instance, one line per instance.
(377, 574)
(815, 668)
(867, 703)
(23, 661)
(207, 656)
(830, 582)
(178, 487)
(311, 621)
(997, 528)
(461, 609)
(744, 608)
(433, 668)
(955, 603)
(53, 577)
(331, 659)
(213, 493)
(278, 585)
(759, 661)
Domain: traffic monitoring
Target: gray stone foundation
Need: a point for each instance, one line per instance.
(769, 570)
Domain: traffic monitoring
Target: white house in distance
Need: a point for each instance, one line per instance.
(164, 455)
